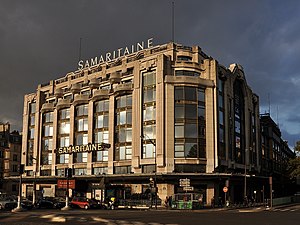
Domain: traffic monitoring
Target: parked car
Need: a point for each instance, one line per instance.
(26, 204)
(84, 203)
(59, 202)
(8, 203)
(45, 203)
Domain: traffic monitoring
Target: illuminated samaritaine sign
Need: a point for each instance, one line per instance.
(112, 56)
(83, 148)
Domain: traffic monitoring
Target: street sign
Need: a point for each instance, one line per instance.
(225, 189)
(63, 184)
(184, 182)
(188, 188)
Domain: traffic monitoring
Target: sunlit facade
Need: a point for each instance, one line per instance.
(169, 112)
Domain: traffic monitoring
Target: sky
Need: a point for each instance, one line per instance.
(39, 42)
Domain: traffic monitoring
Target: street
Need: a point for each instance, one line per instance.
(281, 216)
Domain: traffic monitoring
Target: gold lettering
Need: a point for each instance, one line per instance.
(65, 150)
(77, 148)
(126, 52)
(99, 147)
(94, 147)
(88, 147)
(81, 148)
(60, 150)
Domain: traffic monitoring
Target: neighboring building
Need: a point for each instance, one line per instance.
(275, 156)
(168, 112)
(10, 158)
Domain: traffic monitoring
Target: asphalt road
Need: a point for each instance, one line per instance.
(281, 216)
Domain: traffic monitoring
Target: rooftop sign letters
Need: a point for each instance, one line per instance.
(83, 148)
(112, 56)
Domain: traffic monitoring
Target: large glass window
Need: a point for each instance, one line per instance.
(81, 132)
(239, 122)
(63, 136)
(149, 114)
(46, 154)
(189, 122)
(123, 129)
(101, 115)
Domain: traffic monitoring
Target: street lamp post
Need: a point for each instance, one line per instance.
(19, 208)
(245, 177)
(155, 165)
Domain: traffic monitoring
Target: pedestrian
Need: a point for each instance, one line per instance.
(170, 202)
(167, 202)
(213, 202)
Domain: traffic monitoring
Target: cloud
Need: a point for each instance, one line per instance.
(39, 41)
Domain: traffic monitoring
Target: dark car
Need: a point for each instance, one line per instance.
(26, 204)
(84, 203)
(45, 203)
(59, 202)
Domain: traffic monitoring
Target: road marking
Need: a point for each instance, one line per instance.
(100, 219)
(283, 210)
(58, 219)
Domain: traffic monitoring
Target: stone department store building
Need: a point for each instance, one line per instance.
(167, 112)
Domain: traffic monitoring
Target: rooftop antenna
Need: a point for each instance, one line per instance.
(173, 22)
(79, 50)
(277, 118)
(269, 104)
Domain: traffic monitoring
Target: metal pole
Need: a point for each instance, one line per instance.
(20, 192)
(155, 165)
(34, 189)
(245, 181)
(271, 192)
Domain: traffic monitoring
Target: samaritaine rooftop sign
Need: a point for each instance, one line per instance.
(112, 56)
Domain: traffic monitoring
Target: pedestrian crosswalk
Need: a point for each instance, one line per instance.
(286, 210)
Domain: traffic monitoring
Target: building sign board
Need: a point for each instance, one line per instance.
(64, 184)
(188, 188)
(114, 55)
(82, 148)
(184, 182)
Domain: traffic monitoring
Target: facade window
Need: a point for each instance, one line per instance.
(101, 114)
(184, 58)
(82, 110)
(221, 114)
(239, 131)
(46, 151)
(48, 117)
(64, 114)
(122, 169)
(64, 127)
(82, 124)
(15, 168)
(123, 129)
(32, 120)
(149, 114)
(48, 130)
(81, 132)
(32, 107)
(80, 171)
(100, 170)
(63, 136)
(30, 143)
(31, 133)
(189, 122)
(187, 73)
(15, 158)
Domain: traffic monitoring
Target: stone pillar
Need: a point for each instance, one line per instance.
(210, 193)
